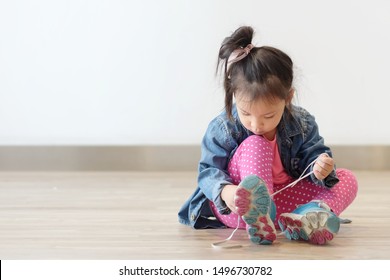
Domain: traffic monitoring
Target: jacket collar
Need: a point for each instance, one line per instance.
(289, 125)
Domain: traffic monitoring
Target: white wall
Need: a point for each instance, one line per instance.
(78, 72)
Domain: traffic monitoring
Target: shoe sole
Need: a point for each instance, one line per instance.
(254, 205)
(317, 227)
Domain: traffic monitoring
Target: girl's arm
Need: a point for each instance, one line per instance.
(313, 147)
(217, 146)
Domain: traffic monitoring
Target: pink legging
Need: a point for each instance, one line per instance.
(255, 156)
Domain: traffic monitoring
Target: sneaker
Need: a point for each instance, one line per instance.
(313, 222)
(257, 209)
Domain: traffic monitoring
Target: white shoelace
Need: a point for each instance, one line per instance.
(218, 244)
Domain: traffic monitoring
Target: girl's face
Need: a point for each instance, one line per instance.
(261, 116)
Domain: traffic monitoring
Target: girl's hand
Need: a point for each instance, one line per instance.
(323, 166)
(227, 195)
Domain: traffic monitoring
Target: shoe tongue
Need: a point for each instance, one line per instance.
(324, 206)
(319, 204)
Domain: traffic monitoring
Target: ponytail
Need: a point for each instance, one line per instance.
(257, 71)
(240, 39)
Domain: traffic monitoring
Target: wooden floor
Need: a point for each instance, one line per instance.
(134, 216)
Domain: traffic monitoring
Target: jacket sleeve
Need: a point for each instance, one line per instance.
(313, 145)
(217, 147)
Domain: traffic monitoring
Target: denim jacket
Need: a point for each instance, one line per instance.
(299, 144)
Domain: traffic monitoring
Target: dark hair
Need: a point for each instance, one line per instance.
(266, 72)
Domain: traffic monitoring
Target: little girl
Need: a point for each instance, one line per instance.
(258, 146)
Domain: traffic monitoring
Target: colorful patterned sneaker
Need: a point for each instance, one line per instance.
(313, 222)
(257, 209)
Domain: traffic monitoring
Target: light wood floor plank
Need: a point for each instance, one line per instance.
(133, 215)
